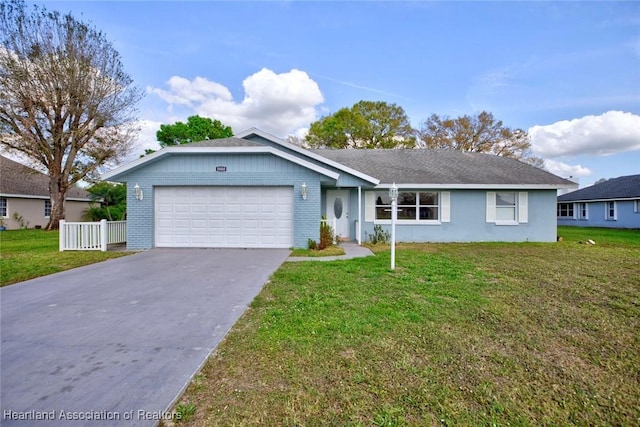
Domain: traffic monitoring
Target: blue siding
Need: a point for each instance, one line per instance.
(242, 170)
(625, 216)
(468, 221)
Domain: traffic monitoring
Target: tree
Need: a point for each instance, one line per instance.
(196, 129)
(481, 134)
(108, 201)
(367, 124)
(65, 101)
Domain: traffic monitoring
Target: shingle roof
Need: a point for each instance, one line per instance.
(624, 187)
(18, 179)
(424, 166)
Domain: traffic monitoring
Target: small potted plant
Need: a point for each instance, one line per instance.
(20, 220)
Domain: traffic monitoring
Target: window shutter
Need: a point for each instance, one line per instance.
(523, 207)
(491, 206)
(445, 208)
(369, 206)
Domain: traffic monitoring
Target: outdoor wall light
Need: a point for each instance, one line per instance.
(303, 190)
(138, 192)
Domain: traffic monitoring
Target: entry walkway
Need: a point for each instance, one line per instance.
(351, 250)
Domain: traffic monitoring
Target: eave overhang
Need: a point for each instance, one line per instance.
(115, 174)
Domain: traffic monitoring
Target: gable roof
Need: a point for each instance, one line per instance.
(624, 187)
(418, 168)
(445, 168)
(19, 180)
(219, 146)
(307, 153)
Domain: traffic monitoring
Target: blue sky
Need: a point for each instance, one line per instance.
(568, 72)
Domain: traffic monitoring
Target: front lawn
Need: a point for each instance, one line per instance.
(459, 334)
(26, 254)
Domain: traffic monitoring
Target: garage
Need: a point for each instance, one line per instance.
(224, 217)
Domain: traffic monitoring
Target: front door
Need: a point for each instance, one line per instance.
(338, 208)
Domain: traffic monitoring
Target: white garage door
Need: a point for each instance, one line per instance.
(224, 217)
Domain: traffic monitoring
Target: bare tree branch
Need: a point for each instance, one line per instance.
(65, 100)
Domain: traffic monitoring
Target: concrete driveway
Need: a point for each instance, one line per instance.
(115, 343)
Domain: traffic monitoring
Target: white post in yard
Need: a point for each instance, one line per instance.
(62, 236)
(393, 193)
(104, 235)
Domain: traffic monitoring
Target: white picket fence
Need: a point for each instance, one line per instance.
(91, 236)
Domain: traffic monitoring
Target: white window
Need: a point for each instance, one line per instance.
(47, 208)
(507, 207)
(583, 211)
(636, 206)
(565, 210)
(610, 213)
(3, 207)
(413, 206)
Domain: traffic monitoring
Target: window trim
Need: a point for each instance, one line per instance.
(571, 210)
(45, 208)
(6, 207)
(582, 214)
(608, 206)
(521, 208)
(636, 206)
(443, 206)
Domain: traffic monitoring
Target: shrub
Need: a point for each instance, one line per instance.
(326, 236)
(312, 244)
(379, 235)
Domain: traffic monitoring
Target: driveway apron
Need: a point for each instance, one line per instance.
(115, 343)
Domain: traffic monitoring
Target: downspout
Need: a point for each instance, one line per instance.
(359, 230)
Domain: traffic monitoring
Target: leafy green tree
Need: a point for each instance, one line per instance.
(196, 129)
(368, 124)
(108, 201)
(481, 133)
(65, 101)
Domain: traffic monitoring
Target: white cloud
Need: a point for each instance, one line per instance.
(185, 92)
(565, 170)
(277, 103)
(607, 134)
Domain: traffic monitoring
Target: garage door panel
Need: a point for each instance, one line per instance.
(224, 216)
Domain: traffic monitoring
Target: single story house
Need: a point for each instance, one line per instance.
(24, 192)
(256, 190)
(614, 203)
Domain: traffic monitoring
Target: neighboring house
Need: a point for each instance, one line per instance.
(256, 190)
(613, 203)
(25, 191)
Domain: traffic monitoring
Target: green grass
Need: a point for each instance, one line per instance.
(26, 254)
(328, 251)
(459, 334)
(602, 236)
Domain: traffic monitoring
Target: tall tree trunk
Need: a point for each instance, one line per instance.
(57, 192)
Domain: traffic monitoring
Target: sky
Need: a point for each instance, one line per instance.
(566, 72)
